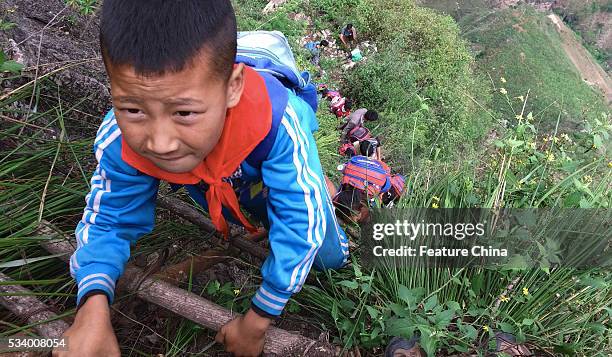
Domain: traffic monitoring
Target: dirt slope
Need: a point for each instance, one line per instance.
(591, 71)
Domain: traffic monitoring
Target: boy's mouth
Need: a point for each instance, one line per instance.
(168, 158)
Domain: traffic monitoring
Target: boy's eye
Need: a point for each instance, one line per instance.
(184, 113)
(133, 111)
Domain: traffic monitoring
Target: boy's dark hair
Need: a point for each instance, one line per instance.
(367, 148)
(324, 91)
(350, 152)
(370, 115)
(324, 43)
(389, 196)
(348, 201)
(160, 36)
(348, 105)
(349, 26)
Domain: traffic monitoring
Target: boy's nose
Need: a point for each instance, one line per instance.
(162, 140)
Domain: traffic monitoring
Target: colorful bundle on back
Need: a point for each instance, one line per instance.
(367, 174)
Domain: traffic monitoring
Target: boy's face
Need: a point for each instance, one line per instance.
(174, 120)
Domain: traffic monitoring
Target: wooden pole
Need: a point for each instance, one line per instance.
(30, 309)
(195, 308)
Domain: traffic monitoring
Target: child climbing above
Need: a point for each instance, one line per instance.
(356, 120)
(365, 145)
(315, 48)
(347, 148)
(328, 94)
(348, 35)
(191, 108)
(370, 148)
(363, 180)
(341, 107)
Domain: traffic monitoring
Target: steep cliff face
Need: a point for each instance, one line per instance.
(592, 19)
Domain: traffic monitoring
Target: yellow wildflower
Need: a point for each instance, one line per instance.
(532, 145)
(236, 292)
(610, 164)
(503, 80)
(486, 328)
(504, 298)
(503, 91)
(556, 139)
(519, 117)
(435, 205)
(565, 137)
(550, 157)
(521, 98)
(587, 179)
(525, 291)
(436, 198)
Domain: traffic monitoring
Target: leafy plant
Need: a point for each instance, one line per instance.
(85, 7)
(9, 65)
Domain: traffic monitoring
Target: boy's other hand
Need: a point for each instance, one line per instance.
(245, 335)
(92, 333)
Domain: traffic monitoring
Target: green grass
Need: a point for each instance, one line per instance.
(529, 56)
(526, 165)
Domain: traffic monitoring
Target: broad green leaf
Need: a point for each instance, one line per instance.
(351, 284)
(431, 303)
(400, 327)
(470, 332)
(372, 311)
(399, 310)
(459, 348)
(11, 66)
(500, 144)
(517, 262)
(515, 143)
(443, 318)
(506, 327)
(597, 141)
(334, 311)
(527, 322)
(453, 305)
(427, 341)
(410, 296)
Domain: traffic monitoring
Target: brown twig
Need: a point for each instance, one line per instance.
(191, 214)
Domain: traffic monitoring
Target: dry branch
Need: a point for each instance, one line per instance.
(193, 307)
(178, 273)
(30, 309)
(194, 216)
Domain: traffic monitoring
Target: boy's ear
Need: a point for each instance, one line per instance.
(235, 85)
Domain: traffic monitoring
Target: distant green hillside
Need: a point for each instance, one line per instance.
(456, 8)
(523, 47)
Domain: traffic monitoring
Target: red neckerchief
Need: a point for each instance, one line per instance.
(246, 125)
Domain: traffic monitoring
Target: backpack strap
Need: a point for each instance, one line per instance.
(398, 182)
(279, 99)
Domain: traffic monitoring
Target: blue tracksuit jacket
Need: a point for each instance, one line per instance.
(302, 225)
